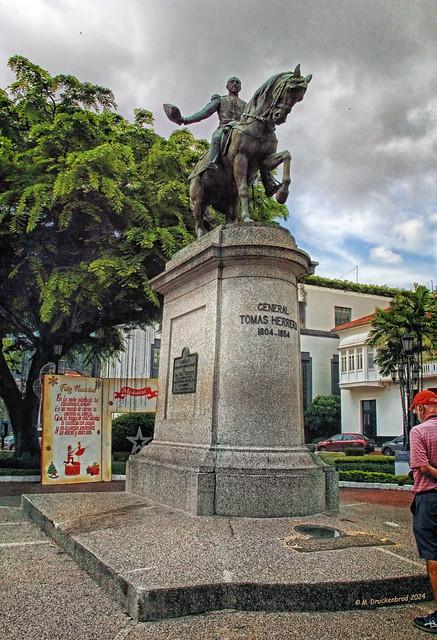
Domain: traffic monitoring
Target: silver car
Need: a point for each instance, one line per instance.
(389, 448)
(9, 443)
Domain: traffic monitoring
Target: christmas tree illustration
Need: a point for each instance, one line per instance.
(52, 471)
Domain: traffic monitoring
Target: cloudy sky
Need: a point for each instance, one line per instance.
(363, 141)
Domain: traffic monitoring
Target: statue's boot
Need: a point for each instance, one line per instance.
(269, 183)
(214, 152)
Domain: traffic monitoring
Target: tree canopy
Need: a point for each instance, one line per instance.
(323, 417)
(410, 312)
(91, 207)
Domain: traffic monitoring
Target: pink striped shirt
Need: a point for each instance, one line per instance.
(423, 450)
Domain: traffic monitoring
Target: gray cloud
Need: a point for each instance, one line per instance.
(363, 141)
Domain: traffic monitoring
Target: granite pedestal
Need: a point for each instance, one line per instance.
(229, 426)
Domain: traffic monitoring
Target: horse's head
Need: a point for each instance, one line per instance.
(290, 88)
(275, 98)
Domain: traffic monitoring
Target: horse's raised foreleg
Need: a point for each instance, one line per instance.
(271, 162)
(240, 174)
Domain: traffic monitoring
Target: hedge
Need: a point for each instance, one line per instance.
(348, 285)
(127, 425)
(369, 476)
(388, 467)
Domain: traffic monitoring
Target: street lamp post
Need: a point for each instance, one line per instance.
(409, 375)
(57, 350)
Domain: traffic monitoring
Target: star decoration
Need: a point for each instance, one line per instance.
(139, 441)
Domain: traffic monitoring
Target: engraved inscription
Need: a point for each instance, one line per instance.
(185, 373)
(274, 323)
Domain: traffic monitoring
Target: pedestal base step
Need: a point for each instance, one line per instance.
(162, 563)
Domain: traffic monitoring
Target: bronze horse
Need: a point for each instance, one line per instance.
(251, 147)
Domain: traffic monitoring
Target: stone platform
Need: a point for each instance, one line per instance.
(160, 563)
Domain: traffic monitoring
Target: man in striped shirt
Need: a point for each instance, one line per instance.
(423, 462)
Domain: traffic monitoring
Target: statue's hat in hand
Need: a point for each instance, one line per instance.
(173, 113)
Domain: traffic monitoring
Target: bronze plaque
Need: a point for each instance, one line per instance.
(185, 372)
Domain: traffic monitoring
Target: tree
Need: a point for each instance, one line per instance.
(410, 312)
(91, 206)
(323, 417)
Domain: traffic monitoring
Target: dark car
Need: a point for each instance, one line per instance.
(342, 441)
(391, 446)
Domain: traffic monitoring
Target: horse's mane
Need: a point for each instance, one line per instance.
(261, 93)
(271, 89)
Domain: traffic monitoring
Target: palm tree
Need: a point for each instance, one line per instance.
(410, 318)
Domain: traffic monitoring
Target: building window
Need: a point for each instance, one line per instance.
(343, 363)
(359, 359)
(342, 315)
(370, 360)
(302, 309)
(351, 360)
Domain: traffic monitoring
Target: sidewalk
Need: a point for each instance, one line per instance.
(46, 596)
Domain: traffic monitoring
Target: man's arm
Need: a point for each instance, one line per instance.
(207, 111)
(419, 458)
(428, 470)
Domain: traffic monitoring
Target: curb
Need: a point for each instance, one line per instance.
(374, 485)
(38, 478)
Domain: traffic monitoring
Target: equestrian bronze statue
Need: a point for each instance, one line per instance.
(242, 148)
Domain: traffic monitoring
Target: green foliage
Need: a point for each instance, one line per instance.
(387, 467)
(413, 313)
(369, 476)
(348, 285)
(128, 424)
(364, 463)
(13, 462)
(334, 457)
(323, 417)
(354, 451)
(118, 467)
(30, 471)
(91, 206)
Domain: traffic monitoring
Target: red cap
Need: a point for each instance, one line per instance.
(424, 397)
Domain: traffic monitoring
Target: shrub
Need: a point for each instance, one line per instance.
(11, 462)
(354, 451)
(388, 467)
(372, 476)
(323, 417)
(127, 425)
(19, 472)
(119, 467)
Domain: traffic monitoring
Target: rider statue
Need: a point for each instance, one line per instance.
(229, 109)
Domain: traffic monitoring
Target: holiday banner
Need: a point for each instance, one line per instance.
(77, 417)
(72, 430)
(130, 395)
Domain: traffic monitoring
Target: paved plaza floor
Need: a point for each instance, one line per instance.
(45, 595)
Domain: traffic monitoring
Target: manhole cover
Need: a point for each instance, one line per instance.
(317, 531)
(315, 537)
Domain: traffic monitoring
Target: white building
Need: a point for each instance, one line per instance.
(370, 403)
(321, 309)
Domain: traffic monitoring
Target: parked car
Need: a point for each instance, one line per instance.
(342, 441)
(389, 448)
(9, 443)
